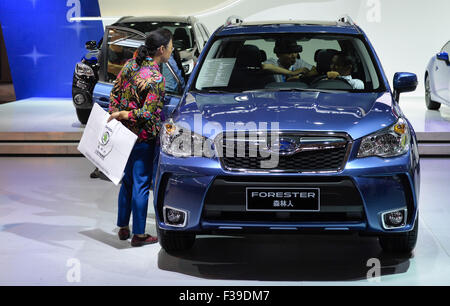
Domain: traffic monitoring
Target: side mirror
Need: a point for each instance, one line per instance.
(91, 45)
(443, 56)
(404, 82)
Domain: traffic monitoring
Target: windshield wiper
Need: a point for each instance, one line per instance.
(293, 89)
(212, 91)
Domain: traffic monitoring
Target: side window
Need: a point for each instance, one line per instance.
(205, 33)
(446, 48)
(199, 36)
(173, 80)
(119, 49)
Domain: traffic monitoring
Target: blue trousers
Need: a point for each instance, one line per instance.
(134, 193)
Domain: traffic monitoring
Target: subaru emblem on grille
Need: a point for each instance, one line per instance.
(285, 147)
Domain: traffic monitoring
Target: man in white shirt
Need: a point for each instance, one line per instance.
(288, 65)
(342, 67)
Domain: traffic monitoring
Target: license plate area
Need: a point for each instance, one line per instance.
(282, 199)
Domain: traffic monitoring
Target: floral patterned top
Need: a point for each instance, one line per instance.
(140, 90)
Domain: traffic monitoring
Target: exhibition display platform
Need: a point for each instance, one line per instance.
(39, 126)
(49, 126)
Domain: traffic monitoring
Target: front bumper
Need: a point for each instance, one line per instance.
(354, 199)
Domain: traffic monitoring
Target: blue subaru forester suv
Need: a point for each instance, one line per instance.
(325, 147)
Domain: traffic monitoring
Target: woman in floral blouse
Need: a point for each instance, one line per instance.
(137, 101)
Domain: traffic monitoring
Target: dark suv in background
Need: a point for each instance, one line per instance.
(94, 74)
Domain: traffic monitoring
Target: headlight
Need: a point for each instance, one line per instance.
(389, 142)
(180, 141)
(83, 69)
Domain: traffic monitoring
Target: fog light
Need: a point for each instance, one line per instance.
(79, 99)
(174, 217)
(394, 219)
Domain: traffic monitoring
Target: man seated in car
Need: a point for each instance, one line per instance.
(289, 65)
(341, 68)
(171, 83)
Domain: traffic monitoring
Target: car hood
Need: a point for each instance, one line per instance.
(357, 114)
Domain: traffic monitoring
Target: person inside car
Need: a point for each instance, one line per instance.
(289, 64)
(171, 83)
(342, 67)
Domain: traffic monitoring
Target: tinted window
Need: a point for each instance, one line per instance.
(182, 32)
(242, 63)
(120, 48)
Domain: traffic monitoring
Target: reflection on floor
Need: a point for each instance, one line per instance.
(42, 126)
(422, 119)
(39, 115)
(53, 216)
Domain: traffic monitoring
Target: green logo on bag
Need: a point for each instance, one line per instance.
(105, 138)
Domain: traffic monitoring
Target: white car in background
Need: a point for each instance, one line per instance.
(437, 79)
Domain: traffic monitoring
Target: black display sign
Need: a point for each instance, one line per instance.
(282, 199)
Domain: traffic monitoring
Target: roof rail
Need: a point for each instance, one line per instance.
(233, 20)
(346, 19)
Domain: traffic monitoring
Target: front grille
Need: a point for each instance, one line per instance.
(340, 201)
(323, 160)
(311, 154)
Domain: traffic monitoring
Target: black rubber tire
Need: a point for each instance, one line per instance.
(431, 105)
(174, 241)
(83, 114)
(402, 243)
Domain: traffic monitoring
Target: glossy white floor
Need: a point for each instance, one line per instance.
(52, 213)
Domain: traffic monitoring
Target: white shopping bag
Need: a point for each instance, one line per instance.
(107, 145)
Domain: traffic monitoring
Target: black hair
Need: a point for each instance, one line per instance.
(155, 39)
(344, 60)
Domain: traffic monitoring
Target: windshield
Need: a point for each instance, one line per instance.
(183, 38)
(268, 62)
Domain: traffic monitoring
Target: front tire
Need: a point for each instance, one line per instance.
(432, 105)
(175, 241)
(83, 114)
(403, 243)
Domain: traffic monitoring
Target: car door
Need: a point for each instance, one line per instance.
(174, 87)
(442, 75)
(119, 45)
